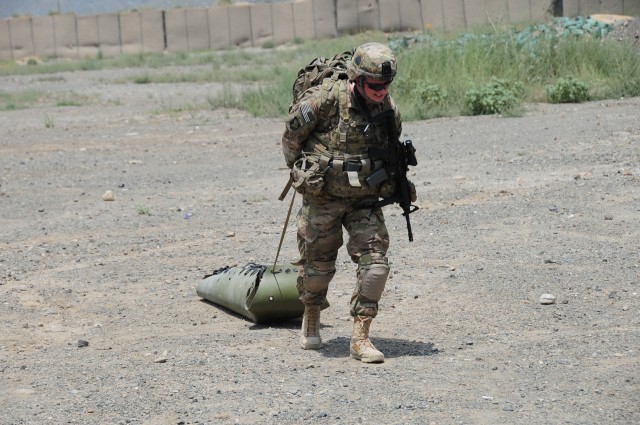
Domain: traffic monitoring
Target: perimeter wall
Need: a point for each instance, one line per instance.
(223, 27)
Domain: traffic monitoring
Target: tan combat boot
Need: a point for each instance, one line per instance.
(310, 337)
(361, 347)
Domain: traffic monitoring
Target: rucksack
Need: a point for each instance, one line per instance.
(317, 70)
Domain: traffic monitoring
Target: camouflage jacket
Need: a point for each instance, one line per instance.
(328, 119)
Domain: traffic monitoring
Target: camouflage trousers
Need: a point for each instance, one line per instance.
(320, 225)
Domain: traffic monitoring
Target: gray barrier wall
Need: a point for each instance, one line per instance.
(257, 24)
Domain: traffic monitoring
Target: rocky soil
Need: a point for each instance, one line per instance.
(101, 323)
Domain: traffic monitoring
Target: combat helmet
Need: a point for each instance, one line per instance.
(372, 60)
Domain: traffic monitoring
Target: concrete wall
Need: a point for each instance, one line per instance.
(588, 7)
(276, 23)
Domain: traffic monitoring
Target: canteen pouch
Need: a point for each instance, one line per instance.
(307, 177)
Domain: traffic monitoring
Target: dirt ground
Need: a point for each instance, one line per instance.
(101, 323)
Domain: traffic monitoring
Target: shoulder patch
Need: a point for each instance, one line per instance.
(295, 124)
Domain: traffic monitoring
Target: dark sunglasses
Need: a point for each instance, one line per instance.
(378, 86)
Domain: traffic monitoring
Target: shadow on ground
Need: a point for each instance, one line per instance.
(391, 347)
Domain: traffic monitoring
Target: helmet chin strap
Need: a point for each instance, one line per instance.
(361, 98)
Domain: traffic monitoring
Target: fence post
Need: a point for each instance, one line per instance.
(6, 53)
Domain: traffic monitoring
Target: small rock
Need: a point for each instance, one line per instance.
(83, 343)
(608, 217)
(547, 299)
(108, 196)
(583, 175)
(160, 360)
(230, 234)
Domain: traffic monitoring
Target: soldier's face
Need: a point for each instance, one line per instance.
(375, 90)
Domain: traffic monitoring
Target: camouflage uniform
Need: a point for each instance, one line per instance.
(322, 215)
(328, 134)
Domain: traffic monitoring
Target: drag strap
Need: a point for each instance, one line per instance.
(286, 189)
(284, 228)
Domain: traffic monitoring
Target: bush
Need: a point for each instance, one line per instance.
(567, 90)
(431, 94)
(424, 91)
(421, 99)
(497, 97)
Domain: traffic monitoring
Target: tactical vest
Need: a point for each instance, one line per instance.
(343, 149)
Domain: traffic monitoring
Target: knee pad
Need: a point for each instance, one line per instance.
(373, 270)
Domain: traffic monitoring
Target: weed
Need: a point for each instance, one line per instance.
(143, 210)
(567, 90)
(49, 121)
(423, 99)
(142, 79)
(498, 96)
(19, 100)
(229, 98)
(53, 78)
(68, 102)
(168, 108)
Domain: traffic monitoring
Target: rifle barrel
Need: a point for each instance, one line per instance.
(409, 228)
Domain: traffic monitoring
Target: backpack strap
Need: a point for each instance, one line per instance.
(328, 99)
(343, 104)
(335, 91)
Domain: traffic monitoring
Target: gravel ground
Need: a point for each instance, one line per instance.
(101, 323)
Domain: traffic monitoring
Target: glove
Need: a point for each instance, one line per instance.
(388, 188)
(412, 191)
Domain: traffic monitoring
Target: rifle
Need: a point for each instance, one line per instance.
(397, 156)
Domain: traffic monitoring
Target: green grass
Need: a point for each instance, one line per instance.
(439, 75)
(143, 210)
(258, 73)
(19, 100)
(33, 98)
(457, 66)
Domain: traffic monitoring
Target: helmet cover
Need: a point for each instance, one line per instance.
(372, 60)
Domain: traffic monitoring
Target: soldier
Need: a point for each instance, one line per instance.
(327, 142)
